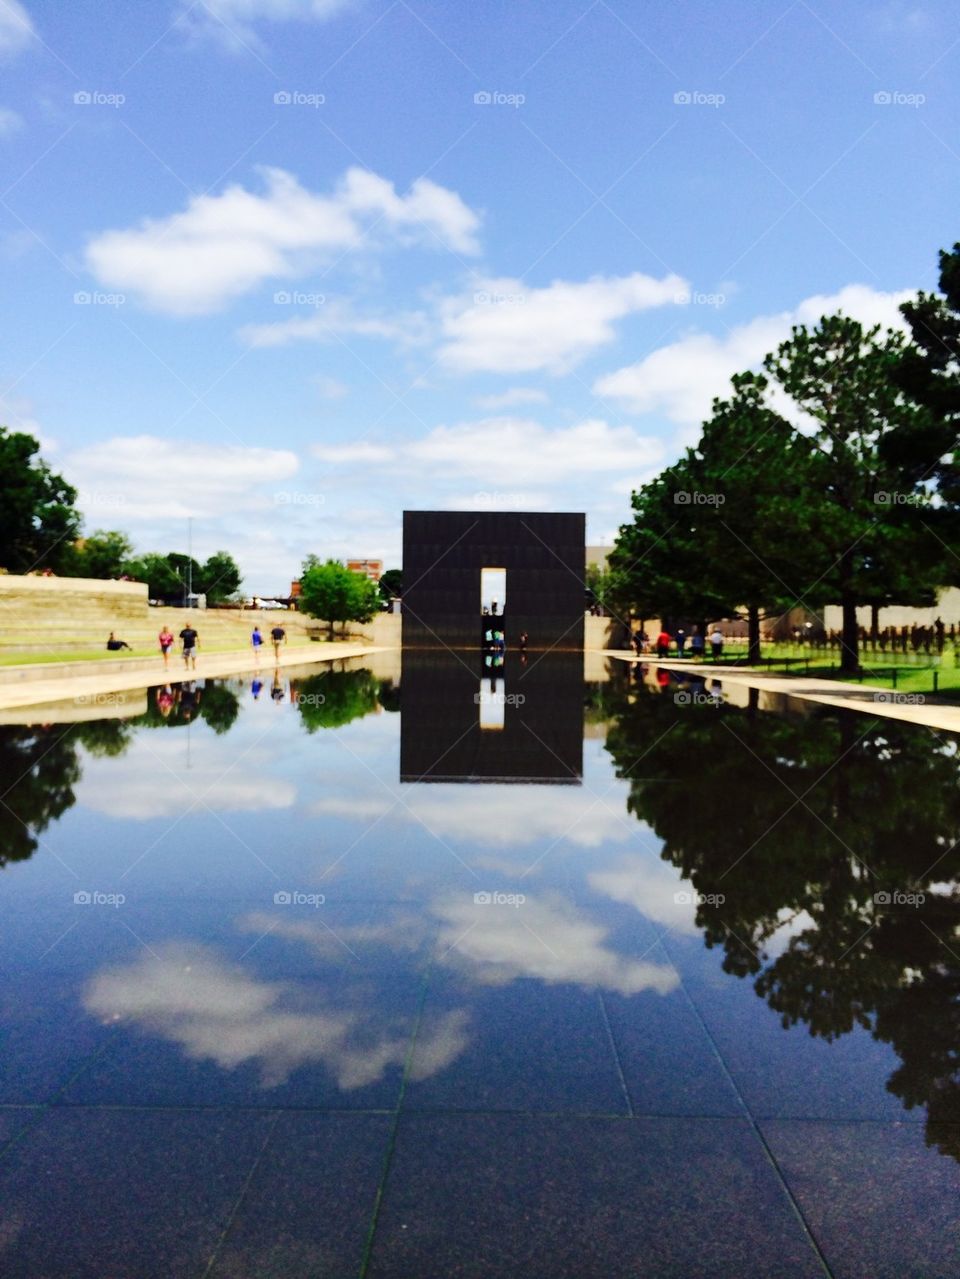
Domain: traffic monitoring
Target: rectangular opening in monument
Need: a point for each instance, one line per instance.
(493, 591)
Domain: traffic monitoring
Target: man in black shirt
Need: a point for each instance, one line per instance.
(278, 635)
(191, 642)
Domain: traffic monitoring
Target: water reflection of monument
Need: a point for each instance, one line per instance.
(479, 720)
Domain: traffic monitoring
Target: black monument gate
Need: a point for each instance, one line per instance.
(542, 555)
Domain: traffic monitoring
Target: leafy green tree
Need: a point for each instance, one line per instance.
(820, 815)
(41, 768)
(104, 554)
(867, 500)
(220, 577)
(724, 529)
(929, 372)
(188, 571)
(38, 519)
(334, 593)
(334, 698)
(163, 581)
(391, 583)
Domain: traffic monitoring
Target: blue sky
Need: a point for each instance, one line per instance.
(290, 266)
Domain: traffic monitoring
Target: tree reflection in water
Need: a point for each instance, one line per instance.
(803, 822)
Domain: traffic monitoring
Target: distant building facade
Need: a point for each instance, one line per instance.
(371, 568)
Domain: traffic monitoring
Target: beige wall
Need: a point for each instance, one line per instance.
(947, 609)
(27, 602)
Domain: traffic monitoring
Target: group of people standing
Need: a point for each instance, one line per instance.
(678, 640)
(190, 643)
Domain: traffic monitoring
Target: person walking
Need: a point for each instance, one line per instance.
(191, 642)
(696, 645)
(256, 641)
(716, 642)
(166, 643)
(681, 640)
(663, 643)
(278, 635)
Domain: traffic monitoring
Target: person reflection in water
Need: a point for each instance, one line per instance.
(189, 699)
(276, 690)
(256, 687)
(165, 700)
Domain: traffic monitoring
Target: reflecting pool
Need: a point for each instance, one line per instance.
(468, 969)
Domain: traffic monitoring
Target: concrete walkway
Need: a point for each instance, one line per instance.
(77, 681)
(913, 708)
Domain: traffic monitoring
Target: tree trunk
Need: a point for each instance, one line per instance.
(753, 634)
(850, 636)
(874, 623)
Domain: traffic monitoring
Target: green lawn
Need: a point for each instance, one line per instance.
(915, 672)
(102, 655)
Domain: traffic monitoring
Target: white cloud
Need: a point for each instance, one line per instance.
(337, 319)
(214, 1012)
(652, 888)
(129, 789)
(233, 22)
(496, 450)
(10, 122)
(680, 380)
(16, 29)
(142, 477)
(543, 938)
(514, 396)
(509, 327)
(222, 246)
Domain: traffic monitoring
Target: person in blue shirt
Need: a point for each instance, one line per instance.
(256, 639)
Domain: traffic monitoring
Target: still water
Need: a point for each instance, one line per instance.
(458, 970)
